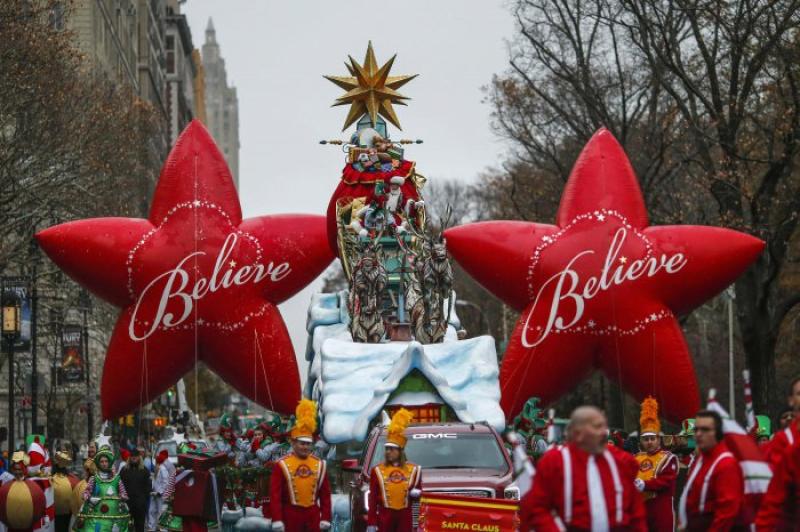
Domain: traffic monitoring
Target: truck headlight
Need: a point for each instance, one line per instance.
(366, 500)
(511, 492)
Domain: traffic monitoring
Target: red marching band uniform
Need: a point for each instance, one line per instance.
(575, 490)
(714, 492)
(300, 495)
(393, 486)
(658, 473)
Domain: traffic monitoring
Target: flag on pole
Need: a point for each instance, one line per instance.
(750, 414)
(523, 467)
(551, 427)
(755, 469)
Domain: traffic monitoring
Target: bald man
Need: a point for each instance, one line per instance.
(584, 485)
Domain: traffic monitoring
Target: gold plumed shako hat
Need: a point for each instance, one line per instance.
(305, 424)
(396, 432)
(649, 424)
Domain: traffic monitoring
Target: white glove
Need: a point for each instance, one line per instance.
(415, 493)
(639, 483)
(277, 526)
(324, 525)
(372, 528)
(94, 500)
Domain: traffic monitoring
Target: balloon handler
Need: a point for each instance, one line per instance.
(394, 483)
(104, 508)
(300, 496)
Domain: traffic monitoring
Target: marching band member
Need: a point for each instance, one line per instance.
(394, 483)
(300, 496)
(658, 471)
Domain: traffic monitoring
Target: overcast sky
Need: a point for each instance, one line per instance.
(276, 53)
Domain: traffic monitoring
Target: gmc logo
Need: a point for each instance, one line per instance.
(439, 436)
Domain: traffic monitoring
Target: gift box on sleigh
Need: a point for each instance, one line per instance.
(196, 495)
(202, 460)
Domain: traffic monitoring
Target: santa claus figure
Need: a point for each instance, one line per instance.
(395, 203)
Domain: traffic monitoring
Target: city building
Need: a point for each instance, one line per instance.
(222, 103)
(125, 40)
(108, 32)
(183, 77)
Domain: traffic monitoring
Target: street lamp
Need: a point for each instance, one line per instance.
(11, 329)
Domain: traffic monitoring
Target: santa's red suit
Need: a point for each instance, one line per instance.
(300, 496)
(714, 492)
(391, 490)
(575, 490)
(658, 472)
(780, 506)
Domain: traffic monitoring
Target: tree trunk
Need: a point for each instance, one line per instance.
(759, 337)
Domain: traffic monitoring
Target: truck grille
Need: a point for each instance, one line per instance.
(483, 494)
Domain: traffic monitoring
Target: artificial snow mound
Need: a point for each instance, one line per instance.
(353, 381)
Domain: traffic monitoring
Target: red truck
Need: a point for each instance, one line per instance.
(466, 459)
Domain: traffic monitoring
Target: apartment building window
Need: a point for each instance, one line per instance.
(57, 16)
(170, 46)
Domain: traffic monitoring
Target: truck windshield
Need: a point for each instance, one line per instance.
(450, 451)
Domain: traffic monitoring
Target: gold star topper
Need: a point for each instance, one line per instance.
(370, 89)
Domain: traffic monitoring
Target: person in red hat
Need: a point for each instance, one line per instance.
(124, 456)
(714, 491)
(585, 484)
(300, 496)
(163, 488)
(394, 483)
(658, 471)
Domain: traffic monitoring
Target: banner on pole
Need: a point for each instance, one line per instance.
(447, 512)
(21, 287)
(70, 369)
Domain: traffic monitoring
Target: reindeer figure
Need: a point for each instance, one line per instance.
(367, 289)
(430, 285)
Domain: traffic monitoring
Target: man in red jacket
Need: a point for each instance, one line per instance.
(300, 496)
(584, 485)
(783, 494)
(783, 439)
(714, 491)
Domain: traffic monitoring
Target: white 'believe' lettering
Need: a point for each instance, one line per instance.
(176, 282)
(567, 282)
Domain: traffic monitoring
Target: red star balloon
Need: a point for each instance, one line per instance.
(601, 288)
(195, 282)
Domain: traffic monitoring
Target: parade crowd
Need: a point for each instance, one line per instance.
(588, 482)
